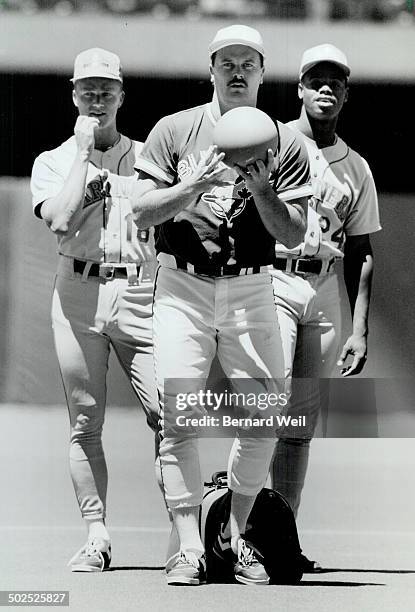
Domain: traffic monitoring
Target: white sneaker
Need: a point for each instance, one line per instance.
(186, 568)
(95, 556)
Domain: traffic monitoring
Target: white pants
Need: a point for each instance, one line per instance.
(196, 317)
(90, 316)
(308, 308)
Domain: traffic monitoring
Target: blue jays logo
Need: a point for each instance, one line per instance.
(224, 204)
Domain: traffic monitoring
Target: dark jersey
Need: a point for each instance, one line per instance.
(222, 226)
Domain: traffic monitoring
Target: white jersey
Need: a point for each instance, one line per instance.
(106, 231)
(344, 201)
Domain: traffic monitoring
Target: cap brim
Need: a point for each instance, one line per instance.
(235, 41)
(311, 65)
(97, 75)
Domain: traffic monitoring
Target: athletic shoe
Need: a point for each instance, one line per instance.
(95, 556)
(222, 547)
(248, 567)
(186, 568)
(308, 566)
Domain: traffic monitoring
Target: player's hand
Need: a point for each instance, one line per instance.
(355, 346)
(208, 172)
(256, 173)
(84, 134)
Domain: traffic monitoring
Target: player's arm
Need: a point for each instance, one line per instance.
(286, 222)
(62, 211)
(358, 272)
(153, 202)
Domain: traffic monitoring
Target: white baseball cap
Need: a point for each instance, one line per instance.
(97, 63)
(237, 35)
(323, 53)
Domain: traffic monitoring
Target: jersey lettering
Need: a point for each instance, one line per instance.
(93, 192)
(184, 169)
(188, 165)
(337, 236)
(332, 205)
(331, 197)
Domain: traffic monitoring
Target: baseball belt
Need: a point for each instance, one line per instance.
(106, 271)
(170, 261)
(303, 265)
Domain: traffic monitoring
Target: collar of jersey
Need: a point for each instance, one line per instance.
(213, 110)
(333, 153)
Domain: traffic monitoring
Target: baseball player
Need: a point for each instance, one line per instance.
(103, 290)
(343, 212)
(216, 234)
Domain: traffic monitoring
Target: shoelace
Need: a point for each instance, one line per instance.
(247, 555)
(188, 557)
(91, 549)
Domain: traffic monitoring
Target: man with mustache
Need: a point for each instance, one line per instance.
(343, 212)
(212, 295)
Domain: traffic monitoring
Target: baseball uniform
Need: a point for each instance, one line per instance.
(212, 294)
(344, 203)
(102, 299)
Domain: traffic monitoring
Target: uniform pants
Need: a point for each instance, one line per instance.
(90, 316)
(196, 317)
(308, 309)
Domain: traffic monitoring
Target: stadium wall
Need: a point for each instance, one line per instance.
(37, 113)
(177, 46)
